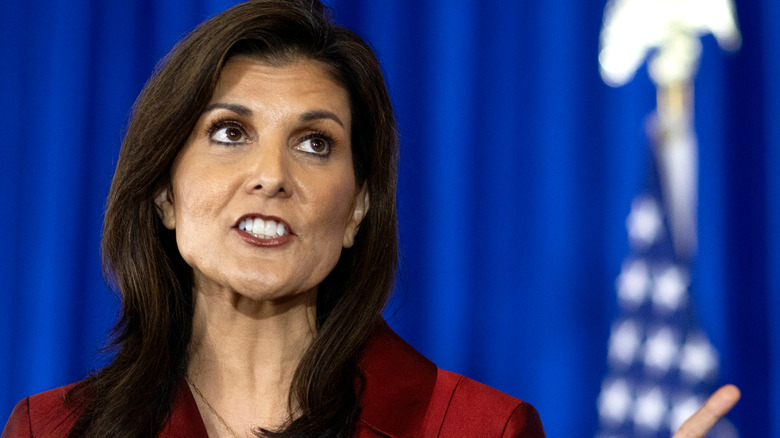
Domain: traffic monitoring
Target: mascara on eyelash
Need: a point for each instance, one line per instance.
(222, 123)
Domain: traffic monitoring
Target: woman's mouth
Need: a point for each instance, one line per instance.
(263, 228)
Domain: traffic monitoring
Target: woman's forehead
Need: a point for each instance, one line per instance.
(300, 81)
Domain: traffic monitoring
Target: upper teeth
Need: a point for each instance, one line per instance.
(266, 229)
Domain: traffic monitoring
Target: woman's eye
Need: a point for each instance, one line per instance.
(228, 134)
(315, 145)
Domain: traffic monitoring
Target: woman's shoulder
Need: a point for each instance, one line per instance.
(461, 406)
(406, 395)
(53, 414)
(43, 414)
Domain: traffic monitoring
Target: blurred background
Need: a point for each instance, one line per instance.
(518, 170)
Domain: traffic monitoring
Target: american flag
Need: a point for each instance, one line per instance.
(662, 366)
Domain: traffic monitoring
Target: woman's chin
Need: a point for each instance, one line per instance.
(261, 294)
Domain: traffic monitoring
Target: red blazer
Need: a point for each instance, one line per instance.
(405, 396)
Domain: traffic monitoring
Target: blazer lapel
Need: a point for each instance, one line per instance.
(398, 387)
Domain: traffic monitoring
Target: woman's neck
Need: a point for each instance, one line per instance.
(243, 355)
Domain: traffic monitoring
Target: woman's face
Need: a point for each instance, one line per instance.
(263, 195)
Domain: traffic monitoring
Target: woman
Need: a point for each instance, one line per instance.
(251, 232)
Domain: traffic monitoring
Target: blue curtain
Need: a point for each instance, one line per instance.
(518, 169)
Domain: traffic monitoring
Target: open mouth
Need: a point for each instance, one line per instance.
(263, 228)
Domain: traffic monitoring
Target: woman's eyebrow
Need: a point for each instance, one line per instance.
(320, 114)
(239, 109)
(246, 112)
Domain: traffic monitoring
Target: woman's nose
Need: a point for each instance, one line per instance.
(268, 173)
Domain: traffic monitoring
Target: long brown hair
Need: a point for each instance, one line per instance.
(133, 395)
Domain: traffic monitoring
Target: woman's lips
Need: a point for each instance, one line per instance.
(264, 231)
(264, 242)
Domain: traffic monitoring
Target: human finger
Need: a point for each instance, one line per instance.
(719, 403)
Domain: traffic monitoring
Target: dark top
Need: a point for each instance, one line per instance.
(405, 395)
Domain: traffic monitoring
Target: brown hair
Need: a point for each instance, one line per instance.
(133, 395)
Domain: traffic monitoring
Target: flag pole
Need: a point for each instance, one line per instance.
(676, 151)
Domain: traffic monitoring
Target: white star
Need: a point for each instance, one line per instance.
(624, 342)
(633, 282)
(660, 350)
(670, 284)
(699, 359)
(683, 409)
(650, 409)
(615, 401)
(644, 222)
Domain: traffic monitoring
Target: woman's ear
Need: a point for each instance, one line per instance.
(165, 210)
(358, 213)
